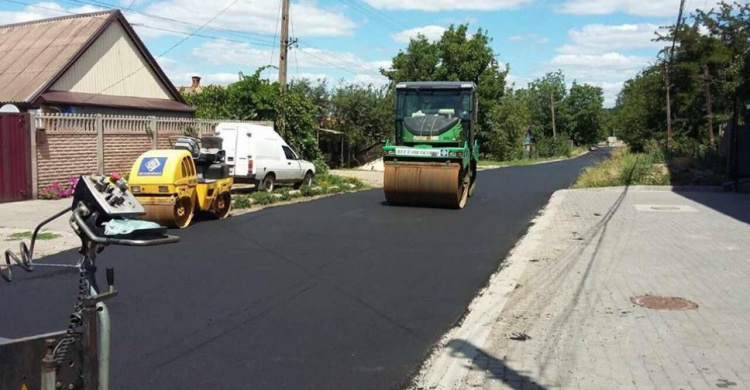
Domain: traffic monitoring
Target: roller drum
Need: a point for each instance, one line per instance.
(170, 214)
(439, 185)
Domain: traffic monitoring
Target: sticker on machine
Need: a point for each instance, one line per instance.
(152, 166)
(418, 152)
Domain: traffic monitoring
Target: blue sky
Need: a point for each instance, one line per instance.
(602, 42)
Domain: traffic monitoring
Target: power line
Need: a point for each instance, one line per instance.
(352, 64)
(383, 20)
(166, 51)
(244, 34)
(387, 17)
(296, 60)
(201, 35)
(275, 31)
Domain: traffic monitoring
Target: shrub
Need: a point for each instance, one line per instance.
(553, 147)
(321, 168)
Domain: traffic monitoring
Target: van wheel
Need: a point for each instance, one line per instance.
(306, 181)
(268, 183)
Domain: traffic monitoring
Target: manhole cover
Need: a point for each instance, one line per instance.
(664, 303)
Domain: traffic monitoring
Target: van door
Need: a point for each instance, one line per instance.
(292, 167)
(229, 135)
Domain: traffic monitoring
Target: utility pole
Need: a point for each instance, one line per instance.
(707, 81)
(284, 45)
(552, 108)
(283, 50)
(669, 105)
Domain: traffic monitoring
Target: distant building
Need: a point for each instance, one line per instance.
(195, 87)
(84, 64)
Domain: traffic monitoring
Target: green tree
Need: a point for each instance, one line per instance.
(455, 57)
(544, 93)
(583, 109)
(509, 121)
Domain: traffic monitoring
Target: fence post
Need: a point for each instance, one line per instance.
(99, 124)
(31, 126)
(154, 133)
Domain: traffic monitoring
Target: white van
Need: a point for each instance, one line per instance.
(257, 153)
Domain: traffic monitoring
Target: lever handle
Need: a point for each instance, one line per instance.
(110, 277)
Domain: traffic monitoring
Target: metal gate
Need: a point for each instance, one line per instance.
(15, 157)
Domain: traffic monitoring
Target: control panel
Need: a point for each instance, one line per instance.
(109, 195)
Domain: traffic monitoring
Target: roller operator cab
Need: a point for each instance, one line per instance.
(258, 154)
(433, 158)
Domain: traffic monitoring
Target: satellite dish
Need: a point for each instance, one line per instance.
(9, 108)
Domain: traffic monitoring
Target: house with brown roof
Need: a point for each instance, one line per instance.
(84, 64)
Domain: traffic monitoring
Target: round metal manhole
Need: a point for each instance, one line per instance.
(664, 303)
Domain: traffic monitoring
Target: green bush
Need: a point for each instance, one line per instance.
(242, 201)
(321, 168)
(553, 147)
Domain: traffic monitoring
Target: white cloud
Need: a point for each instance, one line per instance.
(519, 81)
(433, 33)
(367, 79)
(446, 5)
(599, 38)
(633, 7)
(42, 10)
(528, 37)
(598, 67)
(259, 16)
(242, 54)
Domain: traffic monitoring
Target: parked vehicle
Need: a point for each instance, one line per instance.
(258, 154)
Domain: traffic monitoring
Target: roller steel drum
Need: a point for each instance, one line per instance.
(170, 214)
(427, 185)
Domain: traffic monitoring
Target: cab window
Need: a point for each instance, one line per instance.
(288, 152)
(185, 169)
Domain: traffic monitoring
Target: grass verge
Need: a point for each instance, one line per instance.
(624, 168)
(325, 184)
(27, 235)
(529, 161)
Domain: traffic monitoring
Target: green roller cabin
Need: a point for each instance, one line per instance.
(433, 161)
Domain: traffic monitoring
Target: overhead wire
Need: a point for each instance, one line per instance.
(275, 31)
(350, 69)
(296, 60)
(168, 50)
(244, 34)
(379, 18)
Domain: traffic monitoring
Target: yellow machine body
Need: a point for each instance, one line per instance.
(166, 182)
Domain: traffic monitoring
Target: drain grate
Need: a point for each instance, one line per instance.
(664, 303)
(666, 208)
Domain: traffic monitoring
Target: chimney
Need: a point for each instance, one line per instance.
(196, 82)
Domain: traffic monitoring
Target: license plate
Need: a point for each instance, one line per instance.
(421, 152)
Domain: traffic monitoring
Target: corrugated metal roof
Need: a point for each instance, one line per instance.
(33, 54)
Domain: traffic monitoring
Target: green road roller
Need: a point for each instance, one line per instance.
(432, 161)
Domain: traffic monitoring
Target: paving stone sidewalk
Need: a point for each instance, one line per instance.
(570, 322)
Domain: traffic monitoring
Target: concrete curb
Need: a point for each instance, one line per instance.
(448, 366)
(486, 167)
(646, 188)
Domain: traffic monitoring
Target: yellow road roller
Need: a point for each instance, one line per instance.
(433, 159)
(175, 184)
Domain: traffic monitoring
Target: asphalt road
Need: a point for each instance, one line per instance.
(341, 293)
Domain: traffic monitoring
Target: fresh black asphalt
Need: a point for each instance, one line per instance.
(340, 293)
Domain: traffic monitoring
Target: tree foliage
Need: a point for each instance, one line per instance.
(711, 54)
(455, 57)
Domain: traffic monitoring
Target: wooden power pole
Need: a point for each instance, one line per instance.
(552, 108)
(669, 105)
(707, 81)
(284, 45)
(283, 50)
